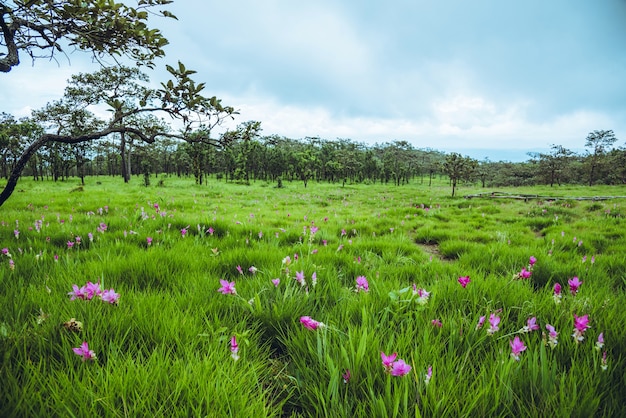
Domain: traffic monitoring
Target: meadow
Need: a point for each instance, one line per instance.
(358, 301)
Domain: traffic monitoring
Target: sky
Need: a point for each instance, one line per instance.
(488, 78)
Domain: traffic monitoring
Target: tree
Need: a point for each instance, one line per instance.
(458, 168)
(44, 28)
(553, 165)
(599, 142)
(179, 98)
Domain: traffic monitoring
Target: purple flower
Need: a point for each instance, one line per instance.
(388, 360)
(494, 321)
(524, 274)
(92, 289)
(210, 231)
(531, 325)
(552, 335)
(600, 342)
(437, 323)
(310, 323)
(481, 321)
(574, 284)
(581, 323)
(464, 280)
(70, 244)
(253, 269)
(239, 269)
(77, 293)
(517, 346)
(110, 296)
(428, 375)
(346, 376)
(300, 278)
(400, 368)
(84, 352)
(234, 348)
(362, 284)
(532, 260)
(276, 282)
(557, 293)
(227, 288)
(149, 241)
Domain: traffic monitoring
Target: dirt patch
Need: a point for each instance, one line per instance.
(433, 250)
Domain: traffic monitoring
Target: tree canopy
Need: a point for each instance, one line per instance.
(105, 28)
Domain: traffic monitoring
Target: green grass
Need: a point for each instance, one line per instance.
(165, 349)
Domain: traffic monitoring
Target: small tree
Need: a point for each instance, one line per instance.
(458, 168)
(599, 142)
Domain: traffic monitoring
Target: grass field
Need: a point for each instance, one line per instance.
(216, 283)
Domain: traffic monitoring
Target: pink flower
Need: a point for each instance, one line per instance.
(300, 278)
(210, 231)
(581, 323)
(346, 376)
(313, 230)
(70, 244)
(5, 251)
(362, 284)
(314, 278)
(110, 296)
(524, 274)
(600, 342)
(557, 293)
(574, 284)
(388, 360)
(310, 323)
(400, 368)
(92, 289)
(276, 282)
(532, 260)
(227, 288)
(531, 325)
(517, 346)
(77, 293)
(494, 321)
(552, 335)
(183, 231)
(604, 365)
(287, 260)
(149, 241)
(437, 323)
(234, 348)
(239, 269)
(253, 269)
(84, 352)
(428, 375)
(464, 280)
(480, 323)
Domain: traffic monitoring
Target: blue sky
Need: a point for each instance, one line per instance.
(487, 78)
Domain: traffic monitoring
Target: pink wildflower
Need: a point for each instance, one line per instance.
(464, 280)
(234, 348)
(77, 293)
(552, 335)
(574, 285)
(428, 375)
(517, 346)
(300, 278)
(531, 325)
(532, 261)
(227, 288)
(524, 274)
(92, 289)
(557, 293)
(362, 284)
(400, 368)
(494, 321)
(600, 342)
(604, 365)
(388, 360)
(70, 244)
(253, 269)
(310, 323)
(346, 376)
(437, 323)
(480, 323)
(239, 269)
(276, 282)
(110, 296)
(84, 352)
(581, 323)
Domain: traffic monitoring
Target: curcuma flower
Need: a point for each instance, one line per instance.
(464, 280)
(517, 346)
(310, 323)
(388, 360)
(552, 336)
(346, 376)
(428, 375)
(600, 342)
(531, 325)
(228, 288)
(400, 368)
(494, 322)
(574, 285)
(110, 296)
(362, 284)
(581, 323)
(234, 348)
(84, 352)
(557, 293)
